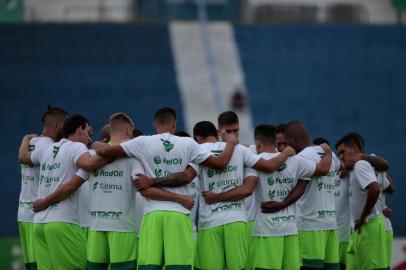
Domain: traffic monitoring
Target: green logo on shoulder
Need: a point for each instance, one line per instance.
(282, 167)
(168, 145)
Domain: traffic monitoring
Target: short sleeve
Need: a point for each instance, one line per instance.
(248, 171)
(195, 167)
(249, 158)
(136, 167)
(385, 181)
(364, 173)
(38, 153)
(134, 147)
(83, 174)
(305, 168)
(78, 149)
(197, 154)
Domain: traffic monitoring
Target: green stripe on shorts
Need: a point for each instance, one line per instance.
(96, 266)
(130, 265)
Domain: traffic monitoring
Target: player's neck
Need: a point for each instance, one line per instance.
(211, 139)
(49, 133)
(117, 139)
(269, 149)
(163, 129)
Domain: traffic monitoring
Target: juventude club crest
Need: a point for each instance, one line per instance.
(168, 145)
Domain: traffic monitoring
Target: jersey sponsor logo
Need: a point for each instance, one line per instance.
(107, 187)
(229, 168)
(173, 161)
(325, 186)
(50, 167)
(281, 194)
(277, 180)
(160, 172)
(27, 178)
(48, 180)
(227, 207)
(326, 213)
(167, 145)
(289, 218)
(106, 214)
(283, 167)
(25, 204)
(225, 183)
(113, 173)
(211, 186)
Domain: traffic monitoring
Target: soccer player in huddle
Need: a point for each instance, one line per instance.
(166, 230)
(316, 218)
(52, 122)
(59, 241)
(368, 238)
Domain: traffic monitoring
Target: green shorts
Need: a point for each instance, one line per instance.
(222, 247)
(275, 252)
(59, 246)
(115, 248)
(319, 249)
(27, 244)
(343, 255)
(165, 239)
(389, 242)
(369, 245)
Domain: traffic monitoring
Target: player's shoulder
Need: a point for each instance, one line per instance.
(311, 152)
(363, 165)
(41, 141)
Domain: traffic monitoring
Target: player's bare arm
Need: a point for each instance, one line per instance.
(59, 194)
(159, 194)
(294, 195)
(235, 194)
(275, 163)
(173, 180)
(24, 155)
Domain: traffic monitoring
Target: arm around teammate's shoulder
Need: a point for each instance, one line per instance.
(24, 156)
(90, 163)
(275, 163)
(108, 151)
(221, 161)
(323, 167)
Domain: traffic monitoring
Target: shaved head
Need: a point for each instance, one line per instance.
(105, 132)
(297, 136)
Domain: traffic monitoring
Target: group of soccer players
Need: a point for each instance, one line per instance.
(168, 201)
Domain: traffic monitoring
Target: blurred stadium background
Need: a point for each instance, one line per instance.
(336, 65)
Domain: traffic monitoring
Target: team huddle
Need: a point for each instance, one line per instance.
(168, 201)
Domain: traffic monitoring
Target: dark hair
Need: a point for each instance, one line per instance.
(265, 133)
(227, 118)
(72, 123)
(182, 133)
(281, 128)
(352, 139)
(137, 132)
(320, 140)
(204, 129)
(53, 112)
(165, 115)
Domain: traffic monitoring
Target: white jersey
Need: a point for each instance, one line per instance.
(276, 186)
(139, 212)
(361, 176)
(84, 204)
(316, 208)
(212, 215)
(381, 203)
(30, 178)
(58, 165)
(161, 155)
(342, 201)
(112, 197)
(250, 202)
(194, 187)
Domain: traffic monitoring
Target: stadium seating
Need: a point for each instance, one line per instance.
(94, 70)
(335, 79)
